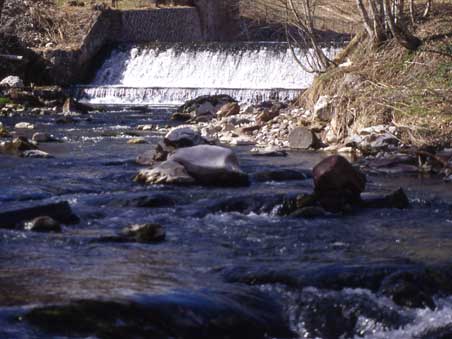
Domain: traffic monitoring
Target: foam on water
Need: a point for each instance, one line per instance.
(172, 74)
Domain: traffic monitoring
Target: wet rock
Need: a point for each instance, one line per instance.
(12, 81)
(279, 175)
(443, 332)
(333, 315)
(229, 109)
(396, 199)
(162, 150)
(17, 146)
(147, 201)
(301, 138)
(309, 212)
(43, 224)
(413, 289)
(211, 165)
(244, 204)
(206, 314)
(268, 152)
(146, 159)
(337, 183)
(144, 233)
(137, 141)
(60, 212)
(66, 119)
(292, 204)
(24, 125)
(168, 172)
(43, 137)
(36, 153)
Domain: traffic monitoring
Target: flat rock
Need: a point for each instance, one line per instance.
(301, 138)
(144, 233)
(137, 141)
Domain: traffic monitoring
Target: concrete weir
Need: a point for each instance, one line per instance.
(209, 20)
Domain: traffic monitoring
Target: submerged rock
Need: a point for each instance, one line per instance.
(60, 212)
(144, 233)
(211, 165)
(43, 224)
(279, 175)
(219, 314)
(43, 137)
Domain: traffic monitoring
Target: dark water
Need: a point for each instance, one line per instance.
(205, 247)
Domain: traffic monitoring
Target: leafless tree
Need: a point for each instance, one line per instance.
(302, 36)
(384, 19)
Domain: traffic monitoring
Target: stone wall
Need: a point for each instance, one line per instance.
(168, 25)
(210, 20)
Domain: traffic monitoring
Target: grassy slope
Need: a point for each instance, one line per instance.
(412, 90)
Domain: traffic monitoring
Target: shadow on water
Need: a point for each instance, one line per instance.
(216, 238)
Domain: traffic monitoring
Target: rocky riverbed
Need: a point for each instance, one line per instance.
(118, 257)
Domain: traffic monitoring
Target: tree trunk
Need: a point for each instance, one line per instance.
(403, 37)
(412, 14)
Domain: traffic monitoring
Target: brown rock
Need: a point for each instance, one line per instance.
(336, 174)
(229, 109)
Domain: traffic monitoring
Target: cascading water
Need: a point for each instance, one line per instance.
(173, 73)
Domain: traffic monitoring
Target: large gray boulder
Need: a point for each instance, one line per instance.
(211, 165)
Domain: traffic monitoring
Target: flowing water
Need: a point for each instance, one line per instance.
(322, 271)
(173, 73)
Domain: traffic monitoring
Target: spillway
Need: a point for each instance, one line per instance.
(162, 73)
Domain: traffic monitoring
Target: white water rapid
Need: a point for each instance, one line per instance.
(173, 73)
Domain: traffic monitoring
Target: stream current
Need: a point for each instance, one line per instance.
(210, 244)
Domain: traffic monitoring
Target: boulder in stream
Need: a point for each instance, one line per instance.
(211, 165)
(43, 224)
(227, 313)
(337, 183)
(60, 212)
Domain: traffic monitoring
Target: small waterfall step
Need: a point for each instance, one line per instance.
(171, 73)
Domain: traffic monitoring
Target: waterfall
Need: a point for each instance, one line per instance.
(159, 74)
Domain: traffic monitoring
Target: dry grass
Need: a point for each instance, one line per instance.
(412, 90)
